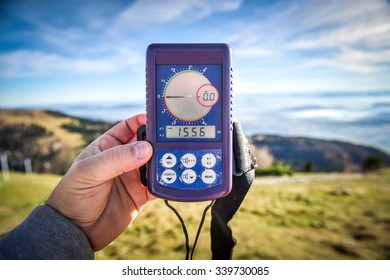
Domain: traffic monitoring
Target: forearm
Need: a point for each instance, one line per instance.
(46, 234)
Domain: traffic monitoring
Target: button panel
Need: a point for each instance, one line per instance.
(189, 169)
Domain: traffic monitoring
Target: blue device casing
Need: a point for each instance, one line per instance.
(189, 168)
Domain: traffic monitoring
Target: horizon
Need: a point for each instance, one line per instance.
(337, 139)
(323, 118)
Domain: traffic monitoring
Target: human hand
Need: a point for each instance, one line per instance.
(102, 192)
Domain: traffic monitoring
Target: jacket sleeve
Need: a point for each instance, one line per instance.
(45, 234)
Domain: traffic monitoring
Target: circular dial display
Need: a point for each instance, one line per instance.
(189, 96)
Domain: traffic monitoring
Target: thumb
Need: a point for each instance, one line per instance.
(117, 160)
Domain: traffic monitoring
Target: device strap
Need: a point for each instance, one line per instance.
(141, 136)
(188, 255)
(223, 210)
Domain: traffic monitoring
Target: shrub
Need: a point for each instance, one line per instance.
(372, 163)
(308, 167)
(278, 169)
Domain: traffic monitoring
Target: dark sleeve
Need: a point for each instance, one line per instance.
(45, 234)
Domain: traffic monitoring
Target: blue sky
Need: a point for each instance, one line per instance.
(94, 51)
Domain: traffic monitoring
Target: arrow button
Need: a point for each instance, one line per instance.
(168, 160)
(168, 176)
(188, 176)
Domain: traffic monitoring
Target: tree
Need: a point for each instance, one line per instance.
(308, 167)
(372, 163)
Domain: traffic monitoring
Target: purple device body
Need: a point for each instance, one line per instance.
(189, 121)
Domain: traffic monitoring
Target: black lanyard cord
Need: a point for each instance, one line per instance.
(188, 256)
(200, 226)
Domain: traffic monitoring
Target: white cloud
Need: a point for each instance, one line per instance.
(178, 11)
(350, 36)
(35, 63)
(270, 42)
(252, 52)
(372, 33)
(97, 42)
(353, 60)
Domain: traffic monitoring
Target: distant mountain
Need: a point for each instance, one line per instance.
(322, 155)
(52, 140)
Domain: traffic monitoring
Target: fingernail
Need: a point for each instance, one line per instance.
(141, 149)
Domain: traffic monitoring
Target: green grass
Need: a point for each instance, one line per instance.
(305, 216)
(21, 194)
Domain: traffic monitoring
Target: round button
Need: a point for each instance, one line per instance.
(208, 160)
(169, 176)
(168, 160)
(188, 176)
(188, 160)
(209, 176)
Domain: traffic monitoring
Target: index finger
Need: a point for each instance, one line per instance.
(126, 129)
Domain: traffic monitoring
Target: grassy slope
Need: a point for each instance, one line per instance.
(49, 121)
(71, 143)
(329, 216)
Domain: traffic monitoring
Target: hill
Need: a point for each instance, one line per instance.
(51, 140)
(319, 155)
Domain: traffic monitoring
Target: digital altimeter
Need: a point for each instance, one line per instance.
(189, 121)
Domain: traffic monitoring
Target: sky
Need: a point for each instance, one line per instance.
(94, 51)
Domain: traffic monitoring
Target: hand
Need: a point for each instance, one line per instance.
(102, 192)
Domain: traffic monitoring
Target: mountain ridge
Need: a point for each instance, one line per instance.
(53, 139)
(321, 154)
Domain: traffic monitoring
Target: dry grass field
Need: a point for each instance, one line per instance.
(305, 216)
